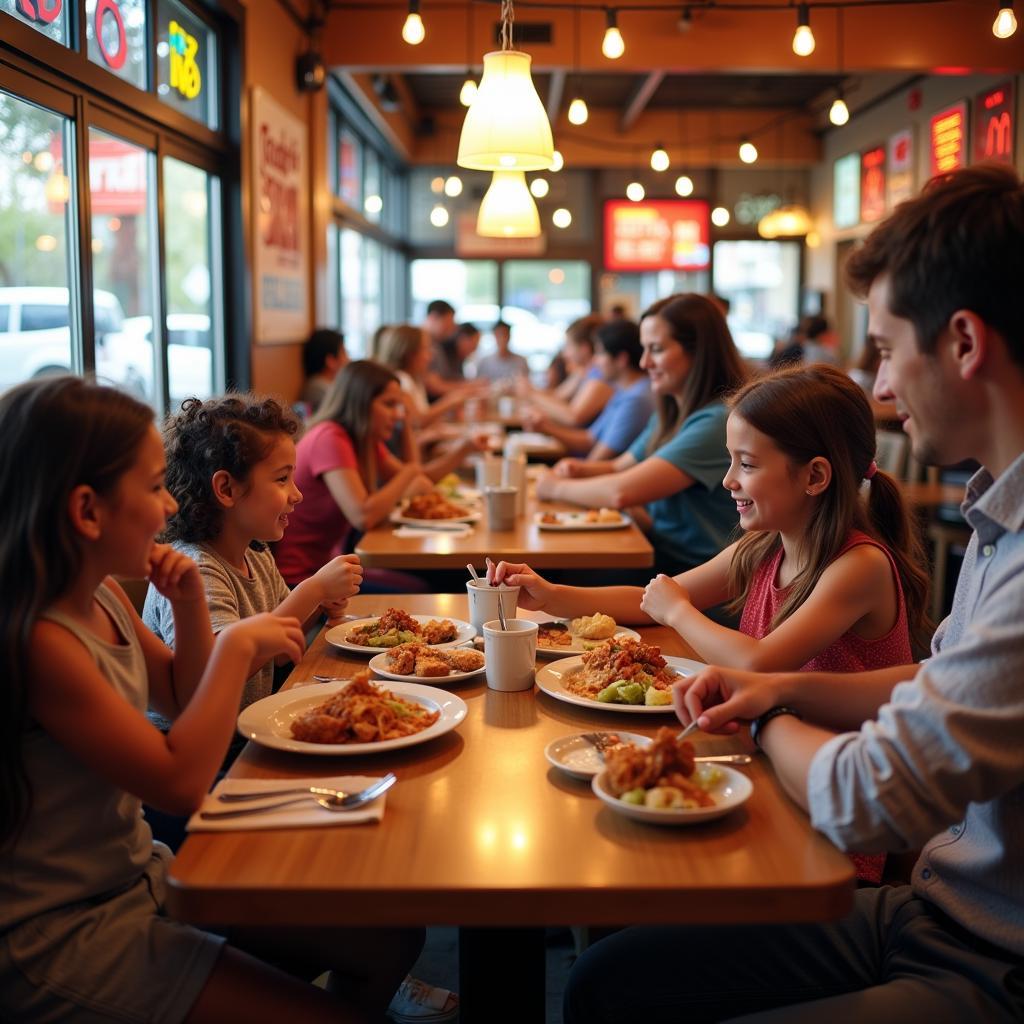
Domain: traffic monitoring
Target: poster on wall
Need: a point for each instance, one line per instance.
(900, 180)
(872, 184)
(280, 267)
(948, 136)
(994, 124)
(846, 191)
(657, 234)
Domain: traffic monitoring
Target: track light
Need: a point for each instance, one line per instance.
(578, 112)
(839, 112)
(612, 45)
(659, 158)
(413, 31)
(803, 37)
(1006, 21)
(748, 152)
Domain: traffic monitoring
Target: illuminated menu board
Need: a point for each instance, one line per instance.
(900, 179)
(872, 184)
(846, 191)
(994, 124)
(948, 138)
(658, 234)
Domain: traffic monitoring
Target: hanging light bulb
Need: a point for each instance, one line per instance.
(468, 91)
(612, 45)
(635, 191)
(539, 187)
(413, 31)
(789, 221)
(659, 158)
(557, 163)
(748, 152)
(719, 216)
(439, 216)
(506, 128)
(507, 209)
(578, 112)
(839, 112)
(453, 186)
(561, 218)
(1006, 21)
(684, 185)
(803, 37)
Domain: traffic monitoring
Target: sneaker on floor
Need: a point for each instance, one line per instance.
(416, 1002)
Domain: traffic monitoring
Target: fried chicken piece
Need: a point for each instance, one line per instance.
(462, 659)
(402, 659)
(666, 758)
(438, 631)
(431, 667)
(319, 728)
(395, 618)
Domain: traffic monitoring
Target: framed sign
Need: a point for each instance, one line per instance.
(280, 223)
(995, 122)
(948, 138)
(872, 184)
(846, 191)
(900, 179)
(657, 234)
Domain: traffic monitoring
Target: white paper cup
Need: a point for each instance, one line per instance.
(501, 507)
(507, 406)
(483, 602)
(488, 472)
(511, 654)
(513, 474)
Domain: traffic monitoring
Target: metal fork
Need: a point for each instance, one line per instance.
(604, 741)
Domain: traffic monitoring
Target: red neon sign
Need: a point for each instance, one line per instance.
(948, 137)
(872, 184)
(994, 124)
(665, 234)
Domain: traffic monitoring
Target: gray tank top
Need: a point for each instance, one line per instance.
(84, 837)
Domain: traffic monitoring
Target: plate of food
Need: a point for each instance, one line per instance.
(591, 519)
(426, 509)
(351, 716)
(453, 488)
(394, 627)
(617, 675)
(417, 662)
(562, 637)
(579, 757)
(661, 785)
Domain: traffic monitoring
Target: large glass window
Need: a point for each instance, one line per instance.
(186, 65)
(46, 16)
(349, 148)
(115, 32)
(36, 238)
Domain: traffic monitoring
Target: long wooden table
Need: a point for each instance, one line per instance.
(627, 548)
(480, 831)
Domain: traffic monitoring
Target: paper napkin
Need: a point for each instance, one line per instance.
(305, 814)
(419, 531)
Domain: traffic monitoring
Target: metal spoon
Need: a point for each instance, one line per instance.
(501, 610)
(340, 794)
(328, 803)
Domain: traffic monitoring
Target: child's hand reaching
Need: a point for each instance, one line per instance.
(267, 636)
(339, 579)
(335, 611)
(662, 597)
(175, 575)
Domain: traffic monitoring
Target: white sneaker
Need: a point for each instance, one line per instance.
(416, 1002)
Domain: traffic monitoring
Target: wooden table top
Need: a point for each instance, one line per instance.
(627, 548)
(480, 830)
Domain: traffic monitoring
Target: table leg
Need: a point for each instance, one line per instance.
(501, 975)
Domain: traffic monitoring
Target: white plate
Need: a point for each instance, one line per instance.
(551, 679)
(337, 636)
(268, 721)
(579, 757)
(379, 665)
(577, 521)
(733, 789)
(577, 645)
(472, 516)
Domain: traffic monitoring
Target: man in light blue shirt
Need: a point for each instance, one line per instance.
(928, 755)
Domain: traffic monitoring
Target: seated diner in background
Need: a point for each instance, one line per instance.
(671, 476)
(502, 364)
(323, 356)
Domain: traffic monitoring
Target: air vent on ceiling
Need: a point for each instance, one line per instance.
(525, 32)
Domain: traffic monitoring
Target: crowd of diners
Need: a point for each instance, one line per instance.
(783, 555)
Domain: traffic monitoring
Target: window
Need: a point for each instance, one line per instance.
(44, 318)
(115, 32)
(44, 16)
(348, 168)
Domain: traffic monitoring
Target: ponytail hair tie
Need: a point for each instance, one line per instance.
(871, 470)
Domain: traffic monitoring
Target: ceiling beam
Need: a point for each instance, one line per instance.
(556, 88)
(646, 88)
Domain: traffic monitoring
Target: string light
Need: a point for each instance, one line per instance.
(612, 46)
(468, 91)
(439, 216)
(1006, 21)
(557, 163)
(635, 191)
(719, 216)
(748, 152)
(578, 112)
(561, 218)
(839, 112)
(684, 185)
(453, 186)
(539, 188)
(803, 37)
(659, 158)
(413, 31)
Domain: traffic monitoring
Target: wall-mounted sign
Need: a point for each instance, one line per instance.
(994, 124)
(900, 179)
(657, 234)
(948, 139)
(872, 184)
(185, 75)
(846, 191)
(280, 216)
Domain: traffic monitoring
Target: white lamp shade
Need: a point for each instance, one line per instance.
(507, 209)
(506, 128)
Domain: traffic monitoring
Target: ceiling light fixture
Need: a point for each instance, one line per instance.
(659, 158)
(612, 46)
(507, 209)
(684, 185)
(557, 163)
(748, 152)
(561, 218)
(789, 221)
(506, 128)
(468, 91)
(719, 216)
(1006, 21)
(803, 37)
(839, 112)
(413, 31)
(578, 112)
(539, 188)
(439, 216)
(635, 191)
(453, 186)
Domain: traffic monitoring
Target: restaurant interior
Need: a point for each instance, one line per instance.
(190, 189)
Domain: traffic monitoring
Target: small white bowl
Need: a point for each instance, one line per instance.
(579, 757)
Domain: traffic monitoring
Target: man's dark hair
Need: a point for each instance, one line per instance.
(501, 323)
(958, 245)
(322, 343)
(466, 330)
(440, 307)
(617, 336)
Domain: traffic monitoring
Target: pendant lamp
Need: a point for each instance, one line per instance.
(507, 209)
(789, 221)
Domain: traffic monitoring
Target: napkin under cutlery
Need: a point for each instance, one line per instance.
(306, 814)
(459, 530)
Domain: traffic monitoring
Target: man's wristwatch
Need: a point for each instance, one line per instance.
(761, 721)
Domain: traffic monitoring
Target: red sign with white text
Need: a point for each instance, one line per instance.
(994, 124)
(872, 184)
(948, 139)
(657, 234)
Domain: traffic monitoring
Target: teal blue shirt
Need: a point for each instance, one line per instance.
(694, 524)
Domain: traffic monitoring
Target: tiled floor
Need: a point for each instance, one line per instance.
(439, 964)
